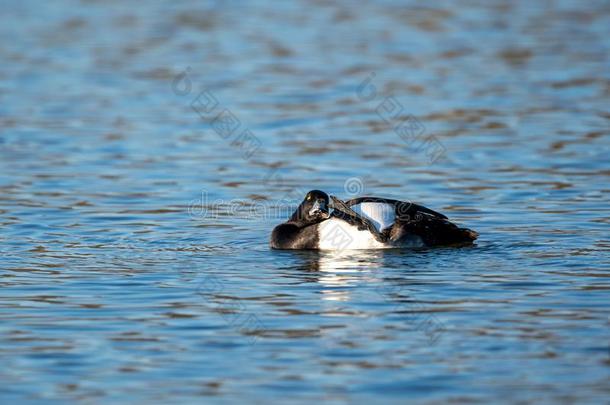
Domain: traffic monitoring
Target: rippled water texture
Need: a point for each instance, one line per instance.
(134, 227)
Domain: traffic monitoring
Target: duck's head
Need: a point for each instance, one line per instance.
(314, 208)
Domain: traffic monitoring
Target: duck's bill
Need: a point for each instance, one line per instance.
(319, 210)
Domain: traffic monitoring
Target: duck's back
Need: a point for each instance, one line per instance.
(404, 222)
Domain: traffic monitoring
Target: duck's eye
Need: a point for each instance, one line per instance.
(308, 197)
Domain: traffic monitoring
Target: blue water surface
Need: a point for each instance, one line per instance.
(148, 149)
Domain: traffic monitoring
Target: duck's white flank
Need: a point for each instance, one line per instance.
(381, 214)
(336, 234)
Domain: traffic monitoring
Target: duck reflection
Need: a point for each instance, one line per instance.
(337, 271)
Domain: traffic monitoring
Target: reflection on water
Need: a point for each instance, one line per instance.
(133, 235)
(337, 271)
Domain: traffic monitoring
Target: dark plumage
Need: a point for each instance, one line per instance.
(300, 232)
(432, 227)
(357, 226)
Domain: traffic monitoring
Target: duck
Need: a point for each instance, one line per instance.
(365, 223)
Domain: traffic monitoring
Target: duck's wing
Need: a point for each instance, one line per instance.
(345, 212)
(433, 231)
(404, 209)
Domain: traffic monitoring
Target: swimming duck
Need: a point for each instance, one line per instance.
(365, 223)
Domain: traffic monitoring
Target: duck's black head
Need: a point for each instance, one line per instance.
(313, 209)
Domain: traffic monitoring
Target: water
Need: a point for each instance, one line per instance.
(134, 257)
